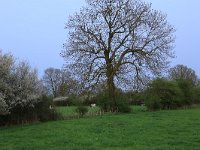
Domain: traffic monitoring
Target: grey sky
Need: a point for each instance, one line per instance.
(34, 29)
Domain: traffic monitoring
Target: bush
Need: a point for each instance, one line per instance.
(46, 111)
(163, 94)
(196, 95)
(4, 109)
(153, 102)
(135, 97)
(22, 112)
(3, 120)
(123, 107)
(103, 101)
(81, 110)
(107, 105)
(89, 100)
(186, 88)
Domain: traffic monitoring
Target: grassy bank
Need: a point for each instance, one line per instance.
(161, 130)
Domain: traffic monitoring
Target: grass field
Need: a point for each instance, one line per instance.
(71, 111)
(161, 130)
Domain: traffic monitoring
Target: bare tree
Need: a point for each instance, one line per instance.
(59, 82)
(51, 80)
(118, 40)
(183, 72)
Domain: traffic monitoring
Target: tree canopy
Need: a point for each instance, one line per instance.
(183, 72)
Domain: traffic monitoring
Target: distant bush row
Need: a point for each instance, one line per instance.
(171, 94)
(101, 99)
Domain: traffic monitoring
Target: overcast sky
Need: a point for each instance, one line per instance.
(33, 30)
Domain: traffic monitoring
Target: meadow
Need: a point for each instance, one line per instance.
(140, 130)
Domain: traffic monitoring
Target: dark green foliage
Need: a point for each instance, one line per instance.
(152, 102)
(3, 120)
(21, 115)
(166, 94)
(42, 111)
(81, 110)
(163, 94)
(186, 87)
(106, 104)
(135, 97)
(196, 95)
(123, 106)
(89, 100)
(46, 111)
(61, 103)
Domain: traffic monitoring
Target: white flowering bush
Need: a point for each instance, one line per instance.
(4, 109)
(19, 86)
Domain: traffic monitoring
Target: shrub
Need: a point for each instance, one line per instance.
(81, 110)
(4, 109)
(89, 100)
(196, 95)
(153, 102)
(3, 120)
(186, 88)
(103, 101)
(46, 111)
(20, 87)
(22, 112)
(22, 115)
(106, 104)
(123, 105)
(135, 97)
(43, 110)
(163, 94)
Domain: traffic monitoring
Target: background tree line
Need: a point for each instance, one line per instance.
(26, 98)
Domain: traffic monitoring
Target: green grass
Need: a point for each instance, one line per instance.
(67, 111)
(161, 130)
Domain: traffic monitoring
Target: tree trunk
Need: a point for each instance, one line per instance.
(112, 105)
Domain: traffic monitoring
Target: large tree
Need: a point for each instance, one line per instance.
(118, 41)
